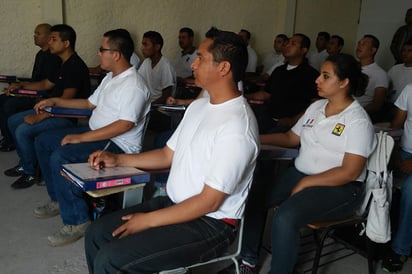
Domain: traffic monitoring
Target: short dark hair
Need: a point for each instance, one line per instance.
(187, 30)
(324, 34)
(375, 41)
(66, 33)
(341, 41)
(228, 46)
(120, 39)
(346, 66)
(155, 37)
(408, 43)
(282, 36)
(248, 35)
(305, 43)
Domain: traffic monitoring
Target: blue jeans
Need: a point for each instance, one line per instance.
(51, 156)
(402, 242)
(156, 249)
(10, 105)
(24, 135)
(312, 204)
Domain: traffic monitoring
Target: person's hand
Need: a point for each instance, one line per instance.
(12, 87)
(296, 189)
(170, 101)
(101, 159)
(71, 139)
(42, 104)
(32, 119)
(135, 222)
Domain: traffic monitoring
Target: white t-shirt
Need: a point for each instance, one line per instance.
(135, 60)
(160, 77)
(270, 60)
(316, 58)
(325, 140)
(400, 76)
(215, 145)
(252, 63)
(377, 79)
(182, 64)
(124, 97)
(404, 102)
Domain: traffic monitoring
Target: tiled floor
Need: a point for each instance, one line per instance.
(23, 240)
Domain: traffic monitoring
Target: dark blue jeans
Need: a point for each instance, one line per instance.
(312, 204)
(51, 156)
(402, 242)
(25, 134)
(156, 249)
(10, 105)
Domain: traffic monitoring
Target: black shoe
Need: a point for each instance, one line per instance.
(5, 147)
(14, 171)
(393, 262)
(24, 181)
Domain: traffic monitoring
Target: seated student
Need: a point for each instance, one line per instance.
(319, 55)
(400, 75)
(290, 89)
(183, 62)
(45, 64)
(71, 80)
(120, 106)
(335, 45)
(252, 55)
(326, 182)
(208, 183)
(375, 93)
(402, 241)
(156, 68)
(275, 58)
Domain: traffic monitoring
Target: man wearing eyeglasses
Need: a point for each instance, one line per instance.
(71, 80)
(119, 107)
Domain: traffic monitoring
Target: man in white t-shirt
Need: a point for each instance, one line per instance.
(184, 60)
(318, 56)
(401, 74)
(156, 68)
(375, 93)
(252, 56)
(120, 106)
(211, 156)
(275, 58)
(401, 243)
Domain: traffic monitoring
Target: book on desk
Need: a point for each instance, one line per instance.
(82, 175)
(29, 93)
(68, 112)
(8, 78)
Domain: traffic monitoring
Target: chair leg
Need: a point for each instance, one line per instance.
(319, 247)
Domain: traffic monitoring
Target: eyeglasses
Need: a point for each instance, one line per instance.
(102, 49)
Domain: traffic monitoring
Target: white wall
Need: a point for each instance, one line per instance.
(264, 18)
(382, 18)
